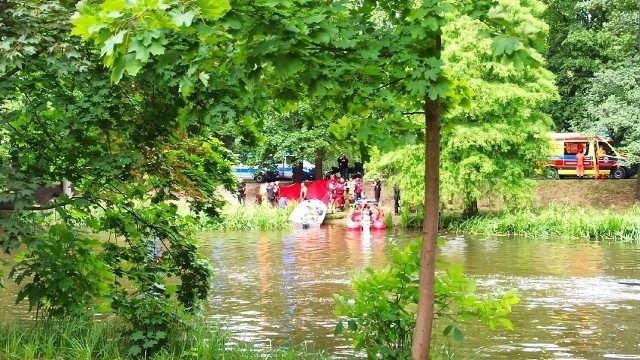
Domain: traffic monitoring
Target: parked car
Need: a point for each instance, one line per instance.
(274, 172)
(244, 172)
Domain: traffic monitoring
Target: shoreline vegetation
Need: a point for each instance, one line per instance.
(565, 221)
(75, 339)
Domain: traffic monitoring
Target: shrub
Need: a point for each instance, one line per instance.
(380, 316)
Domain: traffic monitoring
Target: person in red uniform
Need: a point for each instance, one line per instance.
(338, 193)
(580, 163)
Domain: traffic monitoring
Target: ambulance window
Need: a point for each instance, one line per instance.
(574, 148)
(606, 147)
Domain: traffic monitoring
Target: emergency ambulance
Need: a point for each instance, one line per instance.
(610, 163)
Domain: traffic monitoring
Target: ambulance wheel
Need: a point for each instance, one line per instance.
(619, 173)
(551, 173)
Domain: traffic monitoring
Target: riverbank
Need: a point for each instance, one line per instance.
(606, 194)
(604, 209)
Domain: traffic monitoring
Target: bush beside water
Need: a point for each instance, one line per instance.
(562, 221)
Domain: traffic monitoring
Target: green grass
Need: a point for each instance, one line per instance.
(562, 221)
(253, 217)
(77, 339)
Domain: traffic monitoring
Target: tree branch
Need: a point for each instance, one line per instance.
(15, 69)
(11, 206)
(389, 83)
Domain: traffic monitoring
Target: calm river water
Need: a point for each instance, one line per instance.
(276, 289)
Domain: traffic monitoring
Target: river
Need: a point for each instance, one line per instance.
(275, 289)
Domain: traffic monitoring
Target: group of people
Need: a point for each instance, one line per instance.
(271, 192)
(343, 193)
(267, 192)
(342, 190)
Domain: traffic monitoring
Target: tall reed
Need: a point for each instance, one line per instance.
(253, 217)
(73, 339)
(555, 220)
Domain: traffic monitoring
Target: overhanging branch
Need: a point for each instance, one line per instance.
(11, 206)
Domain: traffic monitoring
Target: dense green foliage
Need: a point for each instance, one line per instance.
(74, 340)
(594, 49)
(128, 150)
(185, 81)
(489, 148)
(380, 316)
(557, 221)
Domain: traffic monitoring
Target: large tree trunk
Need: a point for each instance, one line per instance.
(318, 163)
(424, 322)
(638, 188)
(470, 208)
(298, 175)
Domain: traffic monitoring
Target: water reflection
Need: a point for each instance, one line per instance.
(573, 306)
(276, 289)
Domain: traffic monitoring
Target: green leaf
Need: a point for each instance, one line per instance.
(135, 350)
(118, 69)
(438, 90)
(213, 9)
(338, 330)
(204, 77)
(458, 335)
(65, 283)
(132, 65)
(447, 330)
(182, 19)
(85, 25)
(315, 19)
(288, 65)
(149, 343)
(112, 41)
(504, 45)
(506, 323)
(113, 5)
(138, 335)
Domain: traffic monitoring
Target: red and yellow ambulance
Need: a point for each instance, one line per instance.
(564, 147)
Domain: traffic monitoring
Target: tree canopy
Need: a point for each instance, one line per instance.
(490, 146)
(185, 81)
(595, 51)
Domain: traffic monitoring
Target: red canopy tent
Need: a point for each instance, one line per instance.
(318, 189)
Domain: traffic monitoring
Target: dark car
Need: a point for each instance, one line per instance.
(271, 173)
(267, 174)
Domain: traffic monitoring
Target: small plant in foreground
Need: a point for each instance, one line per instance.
(380, 316)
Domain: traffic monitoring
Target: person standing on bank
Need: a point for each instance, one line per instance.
(343, 166)
(377, 188)
(303, 191)
(580, 164)
(396, 199)
(242, 192)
